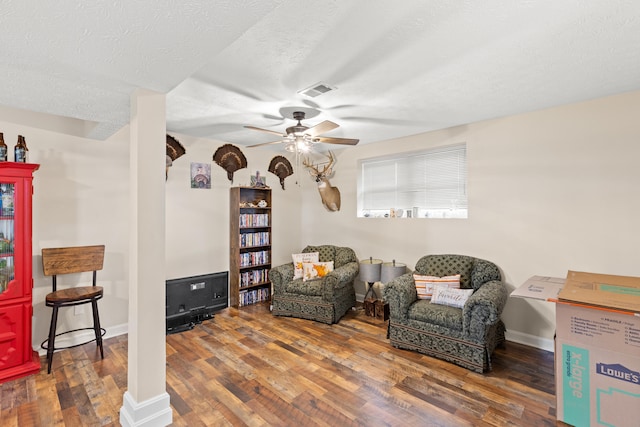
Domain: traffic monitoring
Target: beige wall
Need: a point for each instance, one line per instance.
(81, 197)
(548, 191)
(198, 220)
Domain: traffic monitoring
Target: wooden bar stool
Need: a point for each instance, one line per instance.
(78, 259)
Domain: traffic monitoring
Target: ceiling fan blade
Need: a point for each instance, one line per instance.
(321, 128)
(279, 119)
(265, 143)
(342, 141)
(265, 130)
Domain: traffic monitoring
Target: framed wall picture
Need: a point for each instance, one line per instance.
(200, 175)
(258, 180)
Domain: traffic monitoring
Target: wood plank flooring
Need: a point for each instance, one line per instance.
(248, 368)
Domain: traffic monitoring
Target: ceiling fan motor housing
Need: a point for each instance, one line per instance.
(298, 129)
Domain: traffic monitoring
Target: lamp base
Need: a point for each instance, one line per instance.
(371, 291)
(376, 308)
(382, 310)
(370, 307)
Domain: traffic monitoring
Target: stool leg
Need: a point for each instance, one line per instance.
(96, 326)
(52, 338)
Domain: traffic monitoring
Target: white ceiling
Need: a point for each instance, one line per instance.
(400, 67)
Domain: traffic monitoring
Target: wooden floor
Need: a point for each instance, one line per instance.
(246, 367)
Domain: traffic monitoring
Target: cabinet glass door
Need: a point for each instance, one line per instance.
(7, 233)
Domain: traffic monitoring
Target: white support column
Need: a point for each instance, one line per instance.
(146, 402)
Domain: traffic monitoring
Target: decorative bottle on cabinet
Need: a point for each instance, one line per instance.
(17, 357)
(20, 150)
(250, 245)
(26, 150)
(3, 149)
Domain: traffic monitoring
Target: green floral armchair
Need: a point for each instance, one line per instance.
(325, 300)
(465, 336)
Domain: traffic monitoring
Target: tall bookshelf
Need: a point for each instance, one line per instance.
(250, 245)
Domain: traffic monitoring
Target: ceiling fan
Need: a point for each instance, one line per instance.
(300, 138)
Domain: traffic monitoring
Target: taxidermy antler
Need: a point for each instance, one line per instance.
(330, 195)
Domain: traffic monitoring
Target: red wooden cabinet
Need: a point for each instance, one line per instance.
(17, 357)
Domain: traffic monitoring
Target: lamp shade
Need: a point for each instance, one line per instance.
(391, 270)
(370, 270)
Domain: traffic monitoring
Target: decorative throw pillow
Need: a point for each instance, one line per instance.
(299, 259)
(316, 270)
(425, 284)
(450, 296)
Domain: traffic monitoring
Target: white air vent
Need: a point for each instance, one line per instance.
(316, 90)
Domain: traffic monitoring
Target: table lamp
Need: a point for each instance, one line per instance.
(391, 270)
(370, 274)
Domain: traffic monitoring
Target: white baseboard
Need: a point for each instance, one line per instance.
(83, 336)
(530, 340)
(152, 412)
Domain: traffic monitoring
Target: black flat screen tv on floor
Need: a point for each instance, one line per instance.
(190, 300)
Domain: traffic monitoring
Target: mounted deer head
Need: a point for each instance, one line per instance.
(330, 195)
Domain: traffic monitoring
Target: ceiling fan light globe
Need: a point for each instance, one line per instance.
(304, 148)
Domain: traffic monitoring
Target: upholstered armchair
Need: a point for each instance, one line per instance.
(325, 299)
(466, 336)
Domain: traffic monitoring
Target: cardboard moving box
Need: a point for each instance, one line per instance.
(597, 346)
(542, 288)
(598, 350)
(605, 290)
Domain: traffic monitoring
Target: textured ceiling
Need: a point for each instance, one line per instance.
(400, 68)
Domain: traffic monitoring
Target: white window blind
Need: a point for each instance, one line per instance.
(431, 183)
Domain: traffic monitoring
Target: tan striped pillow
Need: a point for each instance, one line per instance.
(425, 284)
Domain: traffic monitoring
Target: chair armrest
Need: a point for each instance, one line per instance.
(400, 293)
(483, 308)
(280, 276)
(339, 278)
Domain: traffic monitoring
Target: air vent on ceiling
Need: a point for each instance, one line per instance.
(316, 90)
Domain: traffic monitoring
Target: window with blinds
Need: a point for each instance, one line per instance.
(425, 184)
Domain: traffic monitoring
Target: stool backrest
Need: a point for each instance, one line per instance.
(76, 259)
